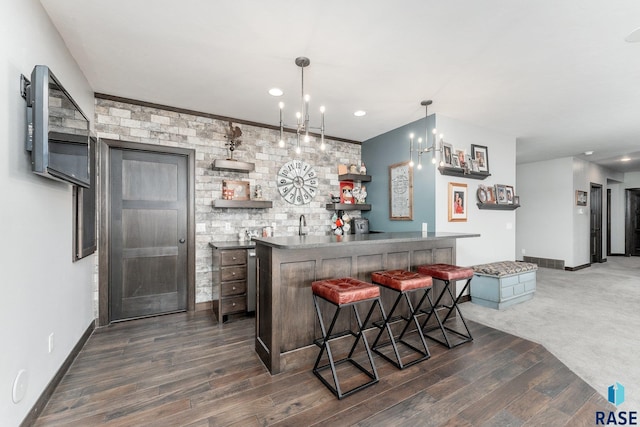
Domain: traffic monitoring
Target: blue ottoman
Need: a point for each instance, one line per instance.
(502, 284)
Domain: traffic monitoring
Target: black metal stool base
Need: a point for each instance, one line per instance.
(423, 353)
(464, 336)
(325, 345)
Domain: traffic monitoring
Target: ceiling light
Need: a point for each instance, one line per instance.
(426, 148)
(360, 113)
(625, 159)
(634, 36)
(276, 91)
(302, 118)
(588, 153)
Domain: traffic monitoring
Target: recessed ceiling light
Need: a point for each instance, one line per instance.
(275, 91)
(360, 113)
(588, 153)
(625, 159)
(634, 36)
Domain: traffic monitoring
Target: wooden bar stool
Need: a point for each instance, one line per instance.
(404, 283)
(447, 273)
(344, 293)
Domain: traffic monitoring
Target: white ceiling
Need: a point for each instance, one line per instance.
(555, 74)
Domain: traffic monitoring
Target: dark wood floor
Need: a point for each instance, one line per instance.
(186, 370)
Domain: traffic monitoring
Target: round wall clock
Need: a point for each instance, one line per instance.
(297, 182)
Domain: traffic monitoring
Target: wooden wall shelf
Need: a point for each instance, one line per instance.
(497, 207)
(460, 172)
(354, 177)
(232, 165)
(348, 207)
(242, 204)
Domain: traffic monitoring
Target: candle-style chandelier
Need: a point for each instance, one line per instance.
(435, 147)
(302, 128)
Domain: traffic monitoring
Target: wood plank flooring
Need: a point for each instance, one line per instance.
(187, 370)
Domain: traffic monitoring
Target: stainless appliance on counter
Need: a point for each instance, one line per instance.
(360, 225)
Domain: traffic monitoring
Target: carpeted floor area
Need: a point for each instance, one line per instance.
(589, 319)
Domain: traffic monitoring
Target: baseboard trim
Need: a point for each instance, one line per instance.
(204, 306)
(579, 267)
(42, 401)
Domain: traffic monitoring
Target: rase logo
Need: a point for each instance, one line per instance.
(616, 396)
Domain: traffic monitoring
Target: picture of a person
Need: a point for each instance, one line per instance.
(458, 204)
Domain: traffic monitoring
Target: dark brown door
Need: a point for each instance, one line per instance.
(148, 232)
(632, 222)
(596, 223)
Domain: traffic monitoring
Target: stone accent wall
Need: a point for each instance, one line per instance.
(135, 123)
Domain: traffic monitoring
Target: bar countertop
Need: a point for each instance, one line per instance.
(300, 242)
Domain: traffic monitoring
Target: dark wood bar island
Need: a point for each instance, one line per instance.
(286, 323)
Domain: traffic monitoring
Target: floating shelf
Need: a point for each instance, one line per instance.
(348, 207)
(497, 207)
(242, 204)
(232, 165)
(354, 177)
(460, 172)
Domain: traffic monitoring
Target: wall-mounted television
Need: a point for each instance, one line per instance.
(57, 130)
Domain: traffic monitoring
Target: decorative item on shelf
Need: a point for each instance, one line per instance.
(363, 169)
(510, 194)
(516, 200)
(427, 149)
(481, 194)
(457, 202)
(343, 170)
(257, 192)
(360, 194)
(501, 194)
(235, 190)
(302, 126)
(334, 199)
(480, 153)
(581, 198)
(353, 168)
(233, 139)
(491, 195)
(346, 192)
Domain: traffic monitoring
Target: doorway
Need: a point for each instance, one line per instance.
(596, 223)
(147, 253)
(632, 222)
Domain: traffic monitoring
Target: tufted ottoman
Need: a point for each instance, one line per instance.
(502, 284)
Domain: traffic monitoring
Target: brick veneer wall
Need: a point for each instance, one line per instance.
(149, 125)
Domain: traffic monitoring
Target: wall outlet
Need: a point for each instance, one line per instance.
(51, 342)
(227, 226)
(523, 251)
(425, 227)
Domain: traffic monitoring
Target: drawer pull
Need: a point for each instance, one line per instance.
(233, 273)
(234, 304)
(234, 288)
(234, 258)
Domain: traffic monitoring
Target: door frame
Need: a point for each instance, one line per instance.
(103, 206)
(628, 223)
(599, 244)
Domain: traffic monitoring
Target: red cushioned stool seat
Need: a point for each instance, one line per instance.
(448, 274)
(344, 293)
(404, 283)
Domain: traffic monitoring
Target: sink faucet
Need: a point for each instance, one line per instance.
(302, 226)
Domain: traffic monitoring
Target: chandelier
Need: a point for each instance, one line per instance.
(302, 117)
(433, 149)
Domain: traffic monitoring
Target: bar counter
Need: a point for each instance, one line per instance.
(286, 323)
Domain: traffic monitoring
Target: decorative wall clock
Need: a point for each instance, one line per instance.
(297, 182)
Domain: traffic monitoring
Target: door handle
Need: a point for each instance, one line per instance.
(182, 240)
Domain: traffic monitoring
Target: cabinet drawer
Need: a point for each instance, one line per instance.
(233, 273)
(234, 305)
(234, 257)
(233, 288)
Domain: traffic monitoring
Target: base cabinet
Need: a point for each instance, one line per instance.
(229, 282)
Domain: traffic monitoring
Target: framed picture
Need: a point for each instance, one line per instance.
(491, 195)
(235, 190)
(457, 202)
(474, 166)
(401, 192)
(581, 198)
(460, 155)
(455, 162)
(481, 154)
(516, 200)
(346, 192)
(447, 150)
(501, 194)
(509, 193)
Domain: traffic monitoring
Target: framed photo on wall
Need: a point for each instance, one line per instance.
(480, 153)
(457, 202)
(581, 198)
(447, 150)
(236, 190)
(401, 192)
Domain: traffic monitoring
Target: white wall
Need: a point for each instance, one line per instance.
(43, 291)
(497, 228)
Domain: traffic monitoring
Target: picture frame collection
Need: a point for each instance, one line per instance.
(497, 194)
(475, 161)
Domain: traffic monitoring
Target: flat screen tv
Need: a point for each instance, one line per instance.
(57, 130)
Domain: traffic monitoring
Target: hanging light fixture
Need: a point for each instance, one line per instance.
(427, 149)
(302, 128)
